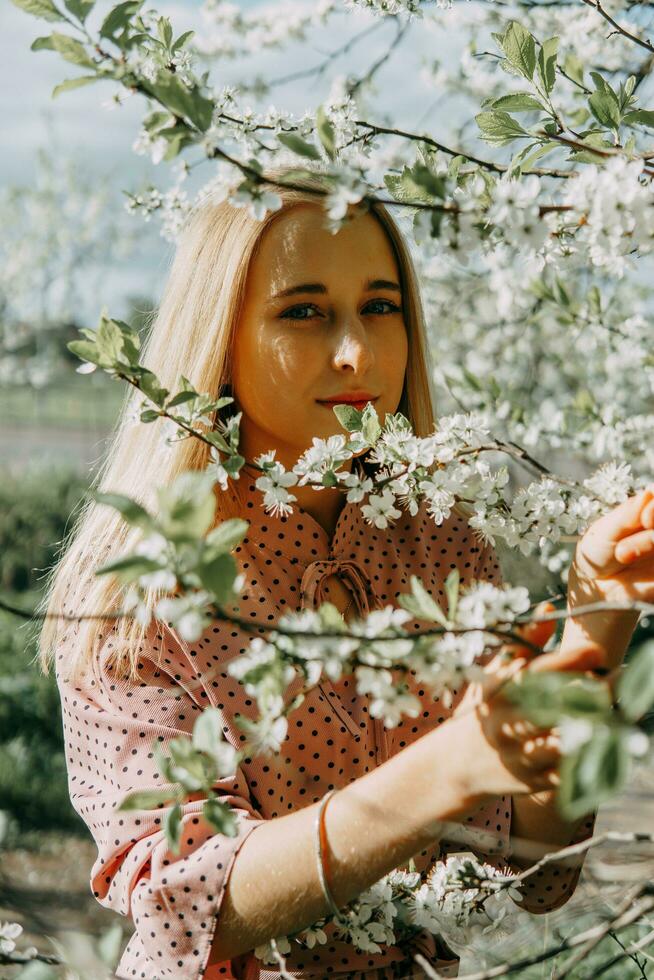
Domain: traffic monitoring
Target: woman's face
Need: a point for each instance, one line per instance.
(322, 316)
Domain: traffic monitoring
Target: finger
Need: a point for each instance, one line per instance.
(542, 752)
(519, 730)
(498, 672)
(647, 516)
(587, 656)
(636, 583)
(626, 518)
(596, 550)
(634, 547)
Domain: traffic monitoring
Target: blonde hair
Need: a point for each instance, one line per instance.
(191, 335)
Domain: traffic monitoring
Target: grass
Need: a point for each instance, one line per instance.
(81, 401)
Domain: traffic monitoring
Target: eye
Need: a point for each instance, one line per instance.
(292, 312)
(384, 302)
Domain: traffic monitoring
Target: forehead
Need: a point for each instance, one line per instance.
(297, 247)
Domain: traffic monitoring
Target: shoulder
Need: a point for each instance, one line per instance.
(449, 536)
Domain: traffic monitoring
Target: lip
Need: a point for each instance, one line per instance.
(349, 397)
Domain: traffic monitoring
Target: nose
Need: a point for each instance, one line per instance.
(353, 348)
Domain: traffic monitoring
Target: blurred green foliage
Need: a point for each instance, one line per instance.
(35, 511)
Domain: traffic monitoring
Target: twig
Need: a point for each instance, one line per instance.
(498, 168)
(504, 969)
(7, 959)
(402, 28)
(324, 65)
(572, 850)
(630, 908)
(596, 5)
(633, 948)
(632, 956)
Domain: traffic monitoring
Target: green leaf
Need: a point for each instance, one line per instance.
(421, 603)
(547, 63)
(182, 40)
(525, 159)
(181, 398)
(643, 116)
(42, 44)
(593, 774)
(182, 101)
(155, 120)
(109, 945)
(224, 538)
(80, 8)
(149, 415)
(605, 108)
(349, 417)
(187, 506)
(499, 127)
(217, 576)
(86, 350)
(635, 687)
(118, 18)
(516, 102)
(36, 970)
(45, 9)
(370, 427)
(295, 143)
(326, 133)
(149, 385)
(146, 799)
(574, 67)
(130, 568)
(72, 50)
(416, 183)
(173, 828)
(592, 139)
(165, 31)
(109, 339)
(520, 49)
(547, 697)
(134, 513)
(452, 583)
(221, 817)
(207, 731)
(71, 83)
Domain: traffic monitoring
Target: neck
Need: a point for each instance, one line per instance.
(323, 505)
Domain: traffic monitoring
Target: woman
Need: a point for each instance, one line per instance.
(288, 318)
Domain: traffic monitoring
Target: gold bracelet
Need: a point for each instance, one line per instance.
(323, 854)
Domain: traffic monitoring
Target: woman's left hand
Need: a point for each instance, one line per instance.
(613, 562)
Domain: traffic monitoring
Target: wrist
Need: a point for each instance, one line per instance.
(611, 629)
(469, 762)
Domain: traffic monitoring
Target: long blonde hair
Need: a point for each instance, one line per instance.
(190, 335)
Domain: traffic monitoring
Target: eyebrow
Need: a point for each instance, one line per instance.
(319, 287)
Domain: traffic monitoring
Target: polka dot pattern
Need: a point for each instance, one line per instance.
(111, 724)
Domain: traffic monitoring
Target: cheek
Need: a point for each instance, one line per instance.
(272, 369)
(392, 354)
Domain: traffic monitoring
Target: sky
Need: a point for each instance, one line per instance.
(100, 140)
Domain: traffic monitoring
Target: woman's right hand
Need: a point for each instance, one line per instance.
(505, 754)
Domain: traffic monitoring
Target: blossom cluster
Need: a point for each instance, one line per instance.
(458, 892)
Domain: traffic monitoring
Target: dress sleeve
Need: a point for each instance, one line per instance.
(554, 884)
(110, 726)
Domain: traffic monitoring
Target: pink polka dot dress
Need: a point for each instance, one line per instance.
(111, 725)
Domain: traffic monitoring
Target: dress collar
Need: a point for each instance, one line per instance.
(298, 535)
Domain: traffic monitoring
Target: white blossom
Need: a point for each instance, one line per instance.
(9, 932)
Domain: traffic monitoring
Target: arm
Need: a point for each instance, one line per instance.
(371, 830)
(110, 725)
(537, 826)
